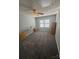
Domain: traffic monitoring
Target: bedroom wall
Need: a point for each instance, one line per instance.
(26, 22)
(58, 31)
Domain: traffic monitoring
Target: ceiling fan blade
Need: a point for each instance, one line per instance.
(41, 13)
(37, 13)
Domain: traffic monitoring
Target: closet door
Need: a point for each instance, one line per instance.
(53, 28)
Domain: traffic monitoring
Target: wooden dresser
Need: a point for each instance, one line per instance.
(53, 28)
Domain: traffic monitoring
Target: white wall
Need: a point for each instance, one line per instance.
(26, 21)
(58, 31)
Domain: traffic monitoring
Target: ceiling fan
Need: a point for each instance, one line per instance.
(35, 12)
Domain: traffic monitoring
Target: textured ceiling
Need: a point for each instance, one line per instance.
(46, 6)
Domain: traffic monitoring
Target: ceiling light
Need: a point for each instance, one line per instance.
(45, 3)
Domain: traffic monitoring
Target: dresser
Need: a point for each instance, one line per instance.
(53, 28)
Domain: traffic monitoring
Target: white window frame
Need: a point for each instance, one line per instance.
(44, 23)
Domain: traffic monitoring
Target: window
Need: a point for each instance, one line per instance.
(44, 23)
